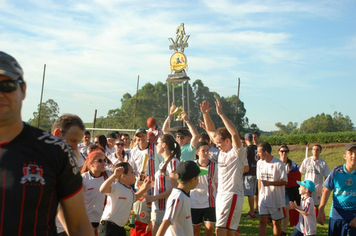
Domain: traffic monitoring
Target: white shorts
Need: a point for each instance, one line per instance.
(228, 210)
(317, 194)
(276, 213)
(250, 183)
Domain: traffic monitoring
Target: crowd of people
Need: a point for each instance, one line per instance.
(166, 183)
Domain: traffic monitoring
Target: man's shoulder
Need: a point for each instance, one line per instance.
(37, 137)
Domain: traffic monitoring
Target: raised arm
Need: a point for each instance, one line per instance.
(235, 137)
(166, 124)
(209, 125)
(192, 129)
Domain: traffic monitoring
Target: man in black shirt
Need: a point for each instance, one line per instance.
(37, 170)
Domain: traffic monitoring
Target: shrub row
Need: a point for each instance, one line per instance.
(331, 137)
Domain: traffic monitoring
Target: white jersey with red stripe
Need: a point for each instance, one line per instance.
(119, 204)
(179, 214)
(136, 160)
(231, 167)
(163, 183)
(93, 198)
(307, 224)
(203, 196)
(271, 196)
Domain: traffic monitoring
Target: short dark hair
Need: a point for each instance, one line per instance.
(258, 134)
(283, 146)
(266, 147)
(66, 121)
(204, 136)
(87, 132)
(223, 132)
(318, 145)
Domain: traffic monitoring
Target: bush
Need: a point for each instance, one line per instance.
(302, 139)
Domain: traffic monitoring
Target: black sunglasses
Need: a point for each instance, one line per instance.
(8, 86)
(101, 160)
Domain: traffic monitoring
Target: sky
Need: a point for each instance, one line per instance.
(295, 59)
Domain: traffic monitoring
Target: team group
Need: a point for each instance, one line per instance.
(170, 185)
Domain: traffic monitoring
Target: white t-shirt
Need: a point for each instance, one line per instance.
(307, 224)
(315, 170)
(119, 204)
(271, 196)
(153, 163)
(163, 183)
(142, 212)
(203, 196)
(93, 198)
(83, 148)
(179, 214)
(231, 167)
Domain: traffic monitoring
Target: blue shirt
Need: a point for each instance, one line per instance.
(344, 196)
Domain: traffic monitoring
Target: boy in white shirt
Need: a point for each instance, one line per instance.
(307, 219)
(177, 219)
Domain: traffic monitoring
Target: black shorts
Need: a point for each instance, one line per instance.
(107, 228)
(94, 224)
(208, 214)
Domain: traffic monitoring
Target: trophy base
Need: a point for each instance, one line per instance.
(178, 77)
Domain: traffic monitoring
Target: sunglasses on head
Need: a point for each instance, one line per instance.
(8, 86)
(101, 160)
(283, 151)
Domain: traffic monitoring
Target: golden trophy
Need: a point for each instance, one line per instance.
(178, 67)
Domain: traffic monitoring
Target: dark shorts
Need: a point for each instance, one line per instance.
(340, 228)
(107, 228)
(94, 224)
(208, 214)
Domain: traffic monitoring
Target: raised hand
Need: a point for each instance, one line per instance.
(205, 107)
(118, 171)
(173, 107)
(218, 107)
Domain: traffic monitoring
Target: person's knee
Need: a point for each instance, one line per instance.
(209, 226)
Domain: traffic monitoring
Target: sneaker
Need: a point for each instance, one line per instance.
(256, 212)
(249, 215)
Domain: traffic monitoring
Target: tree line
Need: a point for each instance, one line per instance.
(152, 101)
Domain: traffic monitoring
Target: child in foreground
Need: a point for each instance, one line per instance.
(177, 218)
(120, 198)
(307, 218)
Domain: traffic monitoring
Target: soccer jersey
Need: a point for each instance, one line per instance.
(252, 159)
(153, 163)
(314, 170)
(119, 204)
(93, 198)
(204, 194)
(271, 196)
(187, 153)
(142, 212)
(179, 214)
(307, 224)
(163, 183)
(344, 196)
(37, 170)
(83, 149)
(231, 166)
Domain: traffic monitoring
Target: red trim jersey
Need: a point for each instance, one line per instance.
(271, 196)
(307, 224)
(154, 160)
(119, 204)
(203, 196)
(179, 214)
(163, 183)
(36, 171)
(231, 168)
(94, 199)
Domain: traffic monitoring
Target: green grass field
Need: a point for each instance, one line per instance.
(331, 153)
